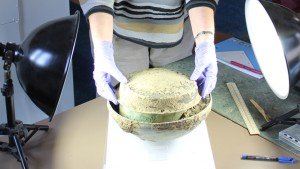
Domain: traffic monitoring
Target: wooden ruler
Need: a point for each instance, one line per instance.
(239, 101)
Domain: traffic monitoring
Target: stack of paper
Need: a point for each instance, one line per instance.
(239, 57)
(240, 53)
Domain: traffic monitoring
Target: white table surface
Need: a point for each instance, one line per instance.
(125, 150)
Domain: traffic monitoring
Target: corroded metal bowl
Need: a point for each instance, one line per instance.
(164, 130)
(157, 95)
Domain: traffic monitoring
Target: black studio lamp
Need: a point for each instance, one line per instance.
(41, 62)
(274, 32)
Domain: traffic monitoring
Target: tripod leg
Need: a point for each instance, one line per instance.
(34, 128)
(20, 152)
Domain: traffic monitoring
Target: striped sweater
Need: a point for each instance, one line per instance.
(152, 23)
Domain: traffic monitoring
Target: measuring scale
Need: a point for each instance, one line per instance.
(125, 150)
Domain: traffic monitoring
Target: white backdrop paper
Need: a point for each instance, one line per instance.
(124, 150)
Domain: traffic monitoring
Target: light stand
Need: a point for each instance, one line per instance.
(274, 31)
(17, 132)
(46, 52)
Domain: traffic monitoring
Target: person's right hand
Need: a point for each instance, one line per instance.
(104, 68)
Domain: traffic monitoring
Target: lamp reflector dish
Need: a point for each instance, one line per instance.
(267, 48)
(46, 54)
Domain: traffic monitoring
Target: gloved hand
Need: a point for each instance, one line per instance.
(104, 68)
(206, 69)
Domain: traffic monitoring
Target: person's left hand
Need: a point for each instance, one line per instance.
(206, 69)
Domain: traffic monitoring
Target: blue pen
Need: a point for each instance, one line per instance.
(280, 159)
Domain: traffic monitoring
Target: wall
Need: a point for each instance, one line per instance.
(35, 12)
(9, 25)
(31, 14)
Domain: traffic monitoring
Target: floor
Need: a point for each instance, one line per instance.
(229, 19)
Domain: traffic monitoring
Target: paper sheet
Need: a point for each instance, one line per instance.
(240, 57)
(234, 44)
(191, 151)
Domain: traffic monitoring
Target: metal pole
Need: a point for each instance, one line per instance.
(9, 102)
(8, 92)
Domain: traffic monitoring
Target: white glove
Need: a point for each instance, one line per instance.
(206, 69)
(104, 68)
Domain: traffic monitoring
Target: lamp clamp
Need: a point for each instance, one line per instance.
(7, 89)
(10, 53)
(19, 129)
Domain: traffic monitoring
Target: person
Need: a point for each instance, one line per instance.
(132, 35)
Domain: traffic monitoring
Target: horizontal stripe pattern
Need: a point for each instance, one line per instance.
(151, 28)
(147, 21)
(152, 21)
(150, 44)
(147, 5)
(155, 37)
(148, 11)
